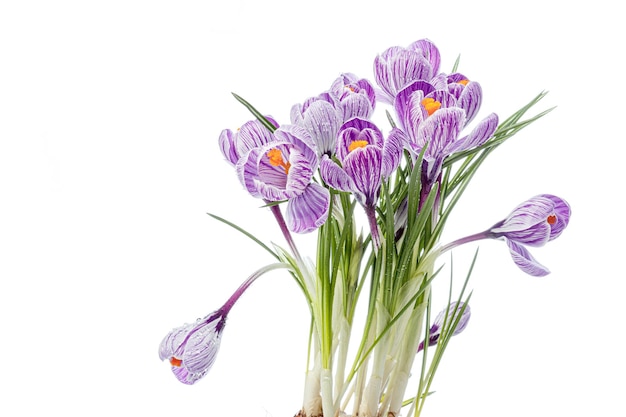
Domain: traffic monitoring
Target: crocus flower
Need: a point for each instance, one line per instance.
(452, 312)
(397, 67)
(191, 349)
(323, 115)
(357, 97)
(282, 170)
(433, 118)
(366, 159)
(535, 222)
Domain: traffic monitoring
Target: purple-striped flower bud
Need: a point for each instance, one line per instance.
(534, 223)
(191, 349)
(450, 316)
(356, 96)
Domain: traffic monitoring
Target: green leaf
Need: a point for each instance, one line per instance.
(256, 113)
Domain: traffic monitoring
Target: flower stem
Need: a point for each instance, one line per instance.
(466, 239)
(283, 227)
(244, 286)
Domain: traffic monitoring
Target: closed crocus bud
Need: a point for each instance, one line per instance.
(191, 349)
(535, 222)
(452, 313)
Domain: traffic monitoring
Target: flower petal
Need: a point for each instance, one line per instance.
(409, 108)
(228, 146)
(392, 153)
(527, 223)
(202, 346)
(525, 261)
(322, 121)
(253, 134)
(562, 211)
(470, 100)
(441, 129)
(477, 137)
(308, 211)
(172, 342)
(364, 166)
(356, 105)
(429, 51)
(335, 176)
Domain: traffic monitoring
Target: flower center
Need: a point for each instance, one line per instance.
(463, 82)
(431, 105)
(276, 159)
(551, 219)
(176, 362)
(357, 144)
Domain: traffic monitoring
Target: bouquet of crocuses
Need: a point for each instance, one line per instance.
(332, 168)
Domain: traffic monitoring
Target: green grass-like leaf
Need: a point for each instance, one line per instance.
(256, 113)
(246, 233)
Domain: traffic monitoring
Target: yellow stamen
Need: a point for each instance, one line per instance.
(357, 144)
(431, 105)
(176, 362)
(276, 159)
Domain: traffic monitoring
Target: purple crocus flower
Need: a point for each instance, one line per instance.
(535, 222)
(397, 67)
(452, 312)
(283, 169)
(357, 97)
(433, 118)
(366, 159)
(191, 349)
(323, 115)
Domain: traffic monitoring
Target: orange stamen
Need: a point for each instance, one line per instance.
(551, 219)
(463, 82)
(176, 362)
(276, 159)
(357, 144)
(431, 105)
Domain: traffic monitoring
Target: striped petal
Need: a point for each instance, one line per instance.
(440, 129)
(309, 210)
(479, 135)
(364, 166)
(525, 261)
(322, 121)
(470, 100)
(527, 223)
(228, 147)
(335, 176)
(562, 212)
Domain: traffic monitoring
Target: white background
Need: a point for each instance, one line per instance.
(109, 118)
